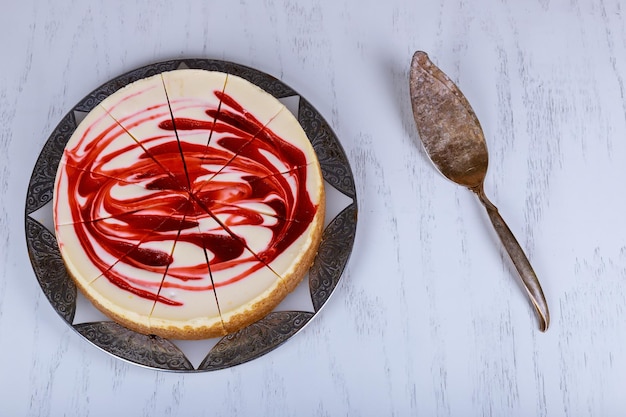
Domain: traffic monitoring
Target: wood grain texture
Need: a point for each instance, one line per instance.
(429, 318)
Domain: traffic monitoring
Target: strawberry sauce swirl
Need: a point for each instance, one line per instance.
(232, 182)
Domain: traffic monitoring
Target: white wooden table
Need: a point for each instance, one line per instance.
(429, 318)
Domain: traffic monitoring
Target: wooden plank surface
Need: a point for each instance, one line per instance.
(429, 318)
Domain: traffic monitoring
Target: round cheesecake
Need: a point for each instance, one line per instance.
(188, 204)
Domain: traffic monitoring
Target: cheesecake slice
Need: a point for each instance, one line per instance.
(193, 312)
(140, 109)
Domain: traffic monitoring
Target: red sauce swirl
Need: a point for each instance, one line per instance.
(171, 212)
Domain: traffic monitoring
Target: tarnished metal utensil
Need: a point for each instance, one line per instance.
(454, 141)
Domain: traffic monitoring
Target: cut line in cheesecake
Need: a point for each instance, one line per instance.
(180, 149)
(139, 113)
(206, 257)
(165, 162)
(167, 267)
(194, 100)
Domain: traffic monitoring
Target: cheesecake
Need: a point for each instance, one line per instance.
(188, 204)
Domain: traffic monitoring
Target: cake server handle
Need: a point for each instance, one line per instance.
(520, 260)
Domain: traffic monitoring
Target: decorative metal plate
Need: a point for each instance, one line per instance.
(153, 351)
